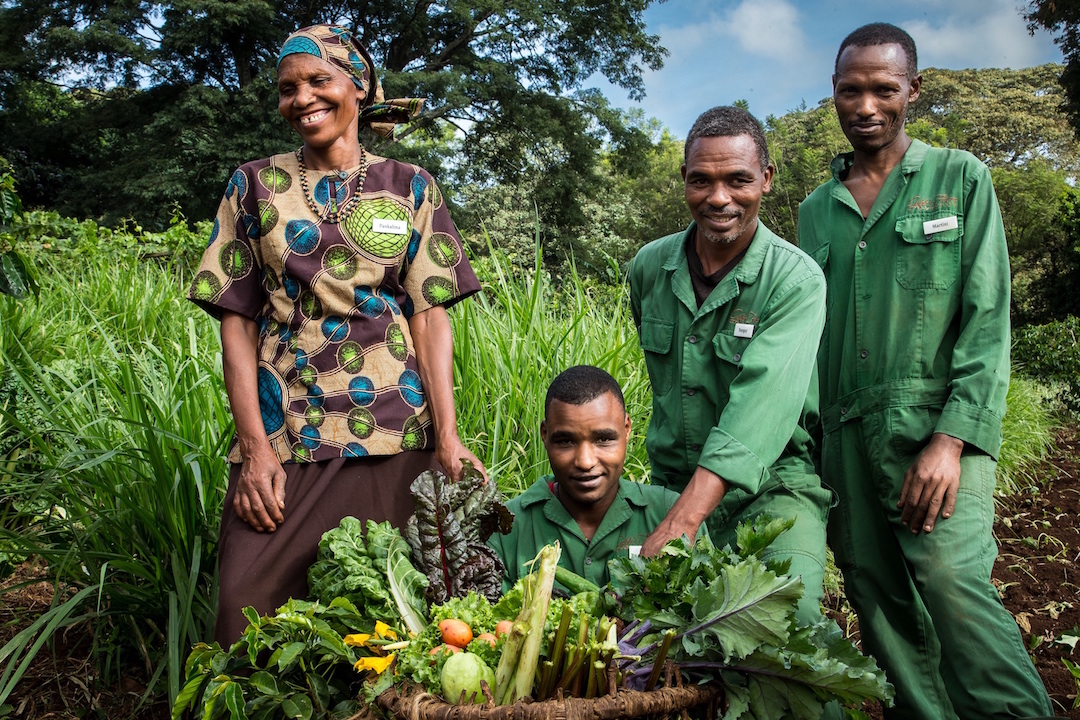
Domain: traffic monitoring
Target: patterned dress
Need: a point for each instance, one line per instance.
(331, 273)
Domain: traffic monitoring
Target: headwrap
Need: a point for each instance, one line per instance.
(339, 47)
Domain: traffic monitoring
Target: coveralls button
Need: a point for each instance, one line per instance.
(695, 447)
(588, 561)
(692, 339)
(864, 353)
(737, 357)
(691, 391)
(862, 245)
(843, 411)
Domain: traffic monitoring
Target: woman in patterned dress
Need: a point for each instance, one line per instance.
(331, 270)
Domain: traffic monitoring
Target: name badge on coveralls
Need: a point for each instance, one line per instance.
(744, 330)
(390, 227)
(940, 225)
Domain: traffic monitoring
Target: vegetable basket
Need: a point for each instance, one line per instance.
(673, 699)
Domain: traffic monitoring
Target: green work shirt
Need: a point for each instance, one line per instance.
(918, 300)
(540, 519)
(731, 380)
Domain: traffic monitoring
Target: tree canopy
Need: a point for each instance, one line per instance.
(171, 96)
(1061, 18)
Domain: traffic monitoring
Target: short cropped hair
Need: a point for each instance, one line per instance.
(729, 121)
(881, 34)
(581, 384)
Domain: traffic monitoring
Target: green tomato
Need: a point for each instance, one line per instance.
(462, 673)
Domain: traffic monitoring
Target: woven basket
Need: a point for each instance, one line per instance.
(666, 702)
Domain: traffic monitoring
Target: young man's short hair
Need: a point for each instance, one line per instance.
(581, 384)
(881, 34)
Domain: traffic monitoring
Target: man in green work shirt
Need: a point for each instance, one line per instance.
(584, 504)
(913, 368)
(729, 316)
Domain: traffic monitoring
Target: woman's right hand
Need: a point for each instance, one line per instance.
(260, 491)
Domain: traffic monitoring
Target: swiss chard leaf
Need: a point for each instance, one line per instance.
(448, 531)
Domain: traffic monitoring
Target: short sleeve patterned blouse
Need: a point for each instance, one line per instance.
(337, 371)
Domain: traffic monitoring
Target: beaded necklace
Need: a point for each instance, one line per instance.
(330, 212)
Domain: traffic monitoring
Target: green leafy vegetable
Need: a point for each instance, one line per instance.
(733, 618)
(448, 532)
(407, 585)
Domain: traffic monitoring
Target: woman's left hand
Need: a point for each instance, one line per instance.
(450, 455)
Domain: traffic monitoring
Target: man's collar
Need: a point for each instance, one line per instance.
(910, 163)
(746, 271)
(540, 491)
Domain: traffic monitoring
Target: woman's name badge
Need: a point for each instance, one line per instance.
(391, 227)
(744, 330)
(941, 225)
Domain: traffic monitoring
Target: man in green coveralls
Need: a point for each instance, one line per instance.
(729, 316)
(913, 368)
(585, 503)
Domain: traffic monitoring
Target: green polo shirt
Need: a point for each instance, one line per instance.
(918, 298)
(540, 519)
(731, 380)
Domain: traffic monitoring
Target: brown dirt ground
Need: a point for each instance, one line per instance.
(1037, 573)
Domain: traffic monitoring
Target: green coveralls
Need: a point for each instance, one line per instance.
(732, 390)
(917, 342)
(540, 518)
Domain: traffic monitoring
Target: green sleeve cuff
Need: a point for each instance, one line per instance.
(733, 461)
(974, 425)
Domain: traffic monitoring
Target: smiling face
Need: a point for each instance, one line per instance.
(586, 446)
(872, 89)
(724, 182)
(321, 103)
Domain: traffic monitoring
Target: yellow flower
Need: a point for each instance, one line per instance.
(357, 640)
(378, 664)
(385, 631)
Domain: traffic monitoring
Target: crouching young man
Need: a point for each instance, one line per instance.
(585, 503)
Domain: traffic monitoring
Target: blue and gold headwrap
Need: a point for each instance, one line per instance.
(338, 47)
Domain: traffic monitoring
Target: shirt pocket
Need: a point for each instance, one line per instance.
(656, 335)
(729, 355)
(927, 262)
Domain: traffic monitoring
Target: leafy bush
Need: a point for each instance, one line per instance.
(1051, 354)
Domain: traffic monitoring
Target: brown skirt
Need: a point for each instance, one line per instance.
(266, 569)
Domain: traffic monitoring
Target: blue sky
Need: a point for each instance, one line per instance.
(778, 53)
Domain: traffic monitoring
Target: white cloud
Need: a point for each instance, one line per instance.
(771, 28)
(996, 36)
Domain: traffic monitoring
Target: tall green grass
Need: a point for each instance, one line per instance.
(1028, 436)
(116, 424)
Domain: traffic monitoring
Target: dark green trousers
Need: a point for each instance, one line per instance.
(927, 610)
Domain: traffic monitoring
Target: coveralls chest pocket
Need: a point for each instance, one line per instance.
(729, 356)
(928, 260)
(656, 337)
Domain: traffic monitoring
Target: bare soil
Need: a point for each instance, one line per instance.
(1037, 574)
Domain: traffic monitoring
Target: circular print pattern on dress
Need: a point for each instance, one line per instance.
(310, 306)
(268, 216)
(235, 259)
(275, 179)
(341, 263)
(315, 396)
(395, 342)
(368, 303)
(308, 375)
(360, 230)
(412, 434)
(443, 251)
(205, 286)
(354, 449)
(302, 236)
(362, 391)
(361, 422)
(419, 185)
(300, 453)
(314, 415)
(271, 397)
(334, 328)
(214, 232)
(350, 357)
(412, 391)
(237, 185)
(438, 290)
(310, 437)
